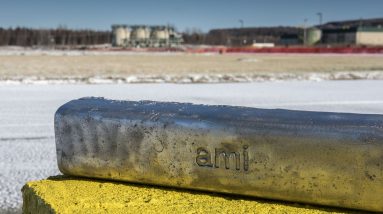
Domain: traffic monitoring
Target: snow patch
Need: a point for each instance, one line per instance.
(198, 78)
(17, 51)
(248, 60)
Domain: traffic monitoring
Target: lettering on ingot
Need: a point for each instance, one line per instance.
(223, 158)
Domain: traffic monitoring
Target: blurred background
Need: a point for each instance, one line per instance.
(318, 56)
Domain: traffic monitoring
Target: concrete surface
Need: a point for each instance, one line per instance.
(27, 150)
(74, 195)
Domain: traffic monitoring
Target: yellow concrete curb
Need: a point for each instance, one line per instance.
(63, 194)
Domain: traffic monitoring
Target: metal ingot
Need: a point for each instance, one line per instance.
(323, 158)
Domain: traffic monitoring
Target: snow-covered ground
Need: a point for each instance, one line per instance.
(199, 78)
(49, 66)
(21, 51)
(27, 150)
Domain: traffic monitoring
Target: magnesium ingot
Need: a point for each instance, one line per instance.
(323, 158)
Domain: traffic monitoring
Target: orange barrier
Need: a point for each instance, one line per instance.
(338, 50)
(221, 50)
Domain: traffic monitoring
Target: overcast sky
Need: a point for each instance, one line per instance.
(202, 14)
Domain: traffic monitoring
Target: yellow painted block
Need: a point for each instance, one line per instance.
(62, 194)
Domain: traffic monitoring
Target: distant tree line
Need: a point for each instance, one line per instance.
(194, 36)
(62, 36)
(52, 37)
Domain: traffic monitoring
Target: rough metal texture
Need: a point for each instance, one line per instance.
(314, 157)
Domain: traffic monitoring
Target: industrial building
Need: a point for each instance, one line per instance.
(253, 35)
(345, 36)
(353, 36)
(145, 36)
(350, 32)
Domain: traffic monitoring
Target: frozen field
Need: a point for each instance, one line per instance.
(53, 66)
(27, 149)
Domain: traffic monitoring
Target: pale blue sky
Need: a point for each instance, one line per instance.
(203, 14)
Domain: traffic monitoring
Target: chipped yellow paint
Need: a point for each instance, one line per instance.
(73, 195)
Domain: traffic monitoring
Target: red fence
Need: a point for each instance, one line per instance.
(335, 50)
(340, 50)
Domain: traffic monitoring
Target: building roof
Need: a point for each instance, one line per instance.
(353, 23)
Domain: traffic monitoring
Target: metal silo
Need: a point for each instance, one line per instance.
(127, 33)
(314, 36)
(160, 33)
(119, 35)
(159, 36)
(140, 33)
(145, 36)
(147, 32)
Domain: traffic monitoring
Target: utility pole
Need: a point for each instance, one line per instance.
(241, 21)
(360, 22)
(244, 39)
(304, 31)
(320, 15)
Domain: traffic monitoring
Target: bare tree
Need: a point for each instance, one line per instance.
(61, 36)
